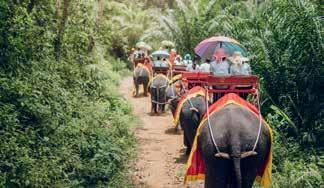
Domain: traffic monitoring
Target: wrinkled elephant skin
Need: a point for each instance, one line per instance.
(235, 130)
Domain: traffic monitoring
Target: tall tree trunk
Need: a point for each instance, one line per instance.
(100, 10)
(99, 13)
(61, 30)
(58, 8)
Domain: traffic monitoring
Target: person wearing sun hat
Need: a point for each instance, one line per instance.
(240, 67)
(220, 65)
(239, 64)
(178, 60)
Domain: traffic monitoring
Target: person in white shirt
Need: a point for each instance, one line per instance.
(193, 67)
(220, 66)
(205, 67)
(239, 65)
(178, 60)
(187, 59)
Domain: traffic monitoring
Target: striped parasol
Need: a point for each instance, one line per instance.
(207, 48)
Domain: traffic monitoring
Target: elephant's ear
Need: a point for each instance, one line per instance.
(175, 102)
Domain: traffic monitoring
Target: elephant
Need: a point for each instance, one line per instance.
(171, 96)
(235, 163)
(191, 114)
(158, 93)
(141, 77)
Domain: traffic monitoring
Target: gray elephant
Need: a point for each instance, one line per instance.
(191, 114)
(158, 93)
(141, 76)
(172, 96)
(235, 131)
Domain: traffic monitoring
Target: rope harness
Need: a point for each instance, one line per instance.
(141, 72)
(174, 93)
(192, 108)
(158, 95)
(225, 155)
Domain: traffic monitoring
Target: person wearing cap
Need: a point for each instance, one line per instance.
(239, 64)
(220, 65)
(187, 59)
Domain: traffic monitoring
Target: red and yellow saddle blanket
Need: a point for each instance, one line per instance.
(193, 92)
(146, 67)
(195, 163)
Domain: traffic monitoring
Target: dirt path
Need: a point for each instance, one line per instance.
(161, 159)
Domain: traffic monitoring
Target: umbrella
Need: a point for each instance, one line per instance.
(143, 45)
(167, 43)
(160, 53)
(207, 47)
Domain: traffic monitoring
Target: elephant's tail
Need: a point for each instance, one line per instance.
(237, 170)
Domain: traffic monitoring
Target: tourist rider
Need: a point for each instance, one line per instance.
(205, 67)
(220, 67)
(178, 60)
(193, 67)
(187, 59)
(240, 65)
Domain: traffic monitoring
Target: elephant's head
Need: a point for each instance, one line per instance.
(173, 95)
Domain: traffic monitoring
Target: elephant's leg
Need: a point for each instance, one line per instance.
(136, 89)
(217, 173)
(186, 143)
(249, 171)
(154, 107)
(159, 106)
(145, 88)
(163, 108)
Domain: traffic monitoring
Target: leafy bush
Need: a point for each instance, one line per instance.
(292, 166)
(60, 122)
(285, 42)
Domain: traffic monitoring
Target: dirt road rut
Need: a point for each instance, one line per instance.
(161, 159)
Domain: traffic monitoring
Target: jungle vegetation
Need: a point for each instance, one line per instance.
(61, 62)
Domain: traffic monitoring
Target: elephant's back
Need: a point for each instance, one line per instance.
(160, 81)
(141, 72)
(234, 125)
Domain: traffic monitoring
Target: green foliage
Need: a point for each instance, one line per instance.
(60, 122)
(298, 174)
(285, 42)
(292, 166)
(285, 47)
